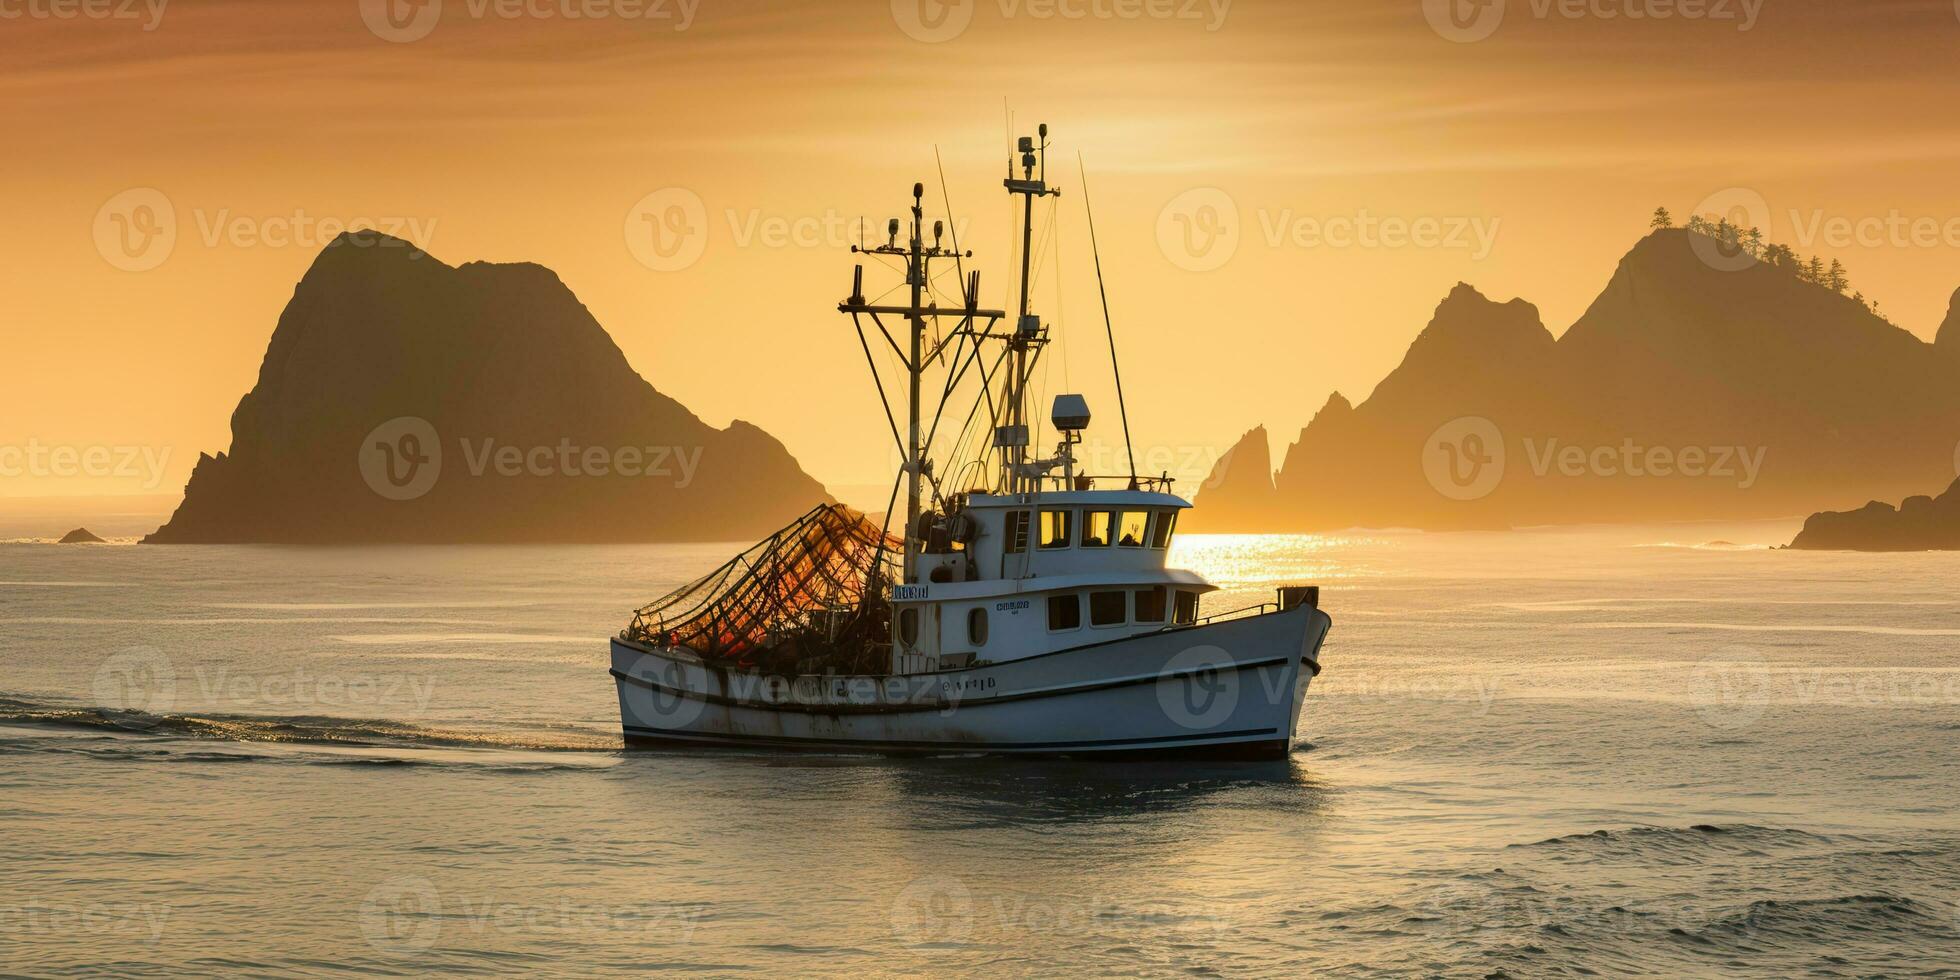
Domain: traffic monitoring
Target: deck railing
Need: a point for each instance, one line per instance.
(1152, 484)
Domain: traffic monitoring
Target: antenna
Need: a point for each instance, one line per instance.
(1028, 333)
(1114, 367)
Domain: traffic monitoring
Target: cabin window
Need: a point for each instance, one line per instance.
(908, 625)
(1130, 530)
(1108, 608)
(1187, 608)
(1064, 612)
(1096, 528)
(1017, 532)
(1150, 605)
(976, 626)
(1057, 527)
(1160, 530)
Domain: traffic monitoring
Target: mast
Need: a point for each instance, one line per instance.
(915, 457)
(918, 257)
(1013, 438)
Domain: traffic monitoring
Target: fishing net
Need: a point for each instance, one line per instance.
(809, 598)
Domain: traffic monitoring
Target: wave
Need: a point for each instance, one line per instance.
(1674, 845)
(1874, 917)
(313, 730)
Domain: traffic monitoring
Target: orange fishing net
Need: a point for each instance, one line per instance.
(808, 598)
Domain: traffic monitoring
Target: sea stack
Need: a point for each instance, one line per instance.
(404, 400)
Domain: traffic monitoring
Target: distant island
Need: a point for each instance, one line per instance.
(80, 535)
(404, 400)
(1921, 523)
(1715, 377)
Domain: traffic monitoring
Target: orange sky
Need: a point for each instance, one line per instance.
(512, 131)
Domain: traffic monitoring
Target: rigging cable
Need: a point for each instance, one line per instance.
(1114, 367)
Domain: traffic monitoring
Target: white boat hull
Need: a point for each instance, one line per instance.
(1232, 688)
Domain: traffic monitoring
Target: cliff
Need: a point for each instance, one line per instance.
(1684, 392)
(405, 400)
(1921, 523)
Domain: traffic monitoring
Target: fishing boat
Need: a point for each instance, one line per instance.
(1023, 606)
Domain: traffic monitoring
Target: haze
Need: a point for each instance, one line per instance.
(1525, 162)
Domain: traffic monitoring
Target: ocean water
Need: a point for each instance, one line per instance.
(1577, 752)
